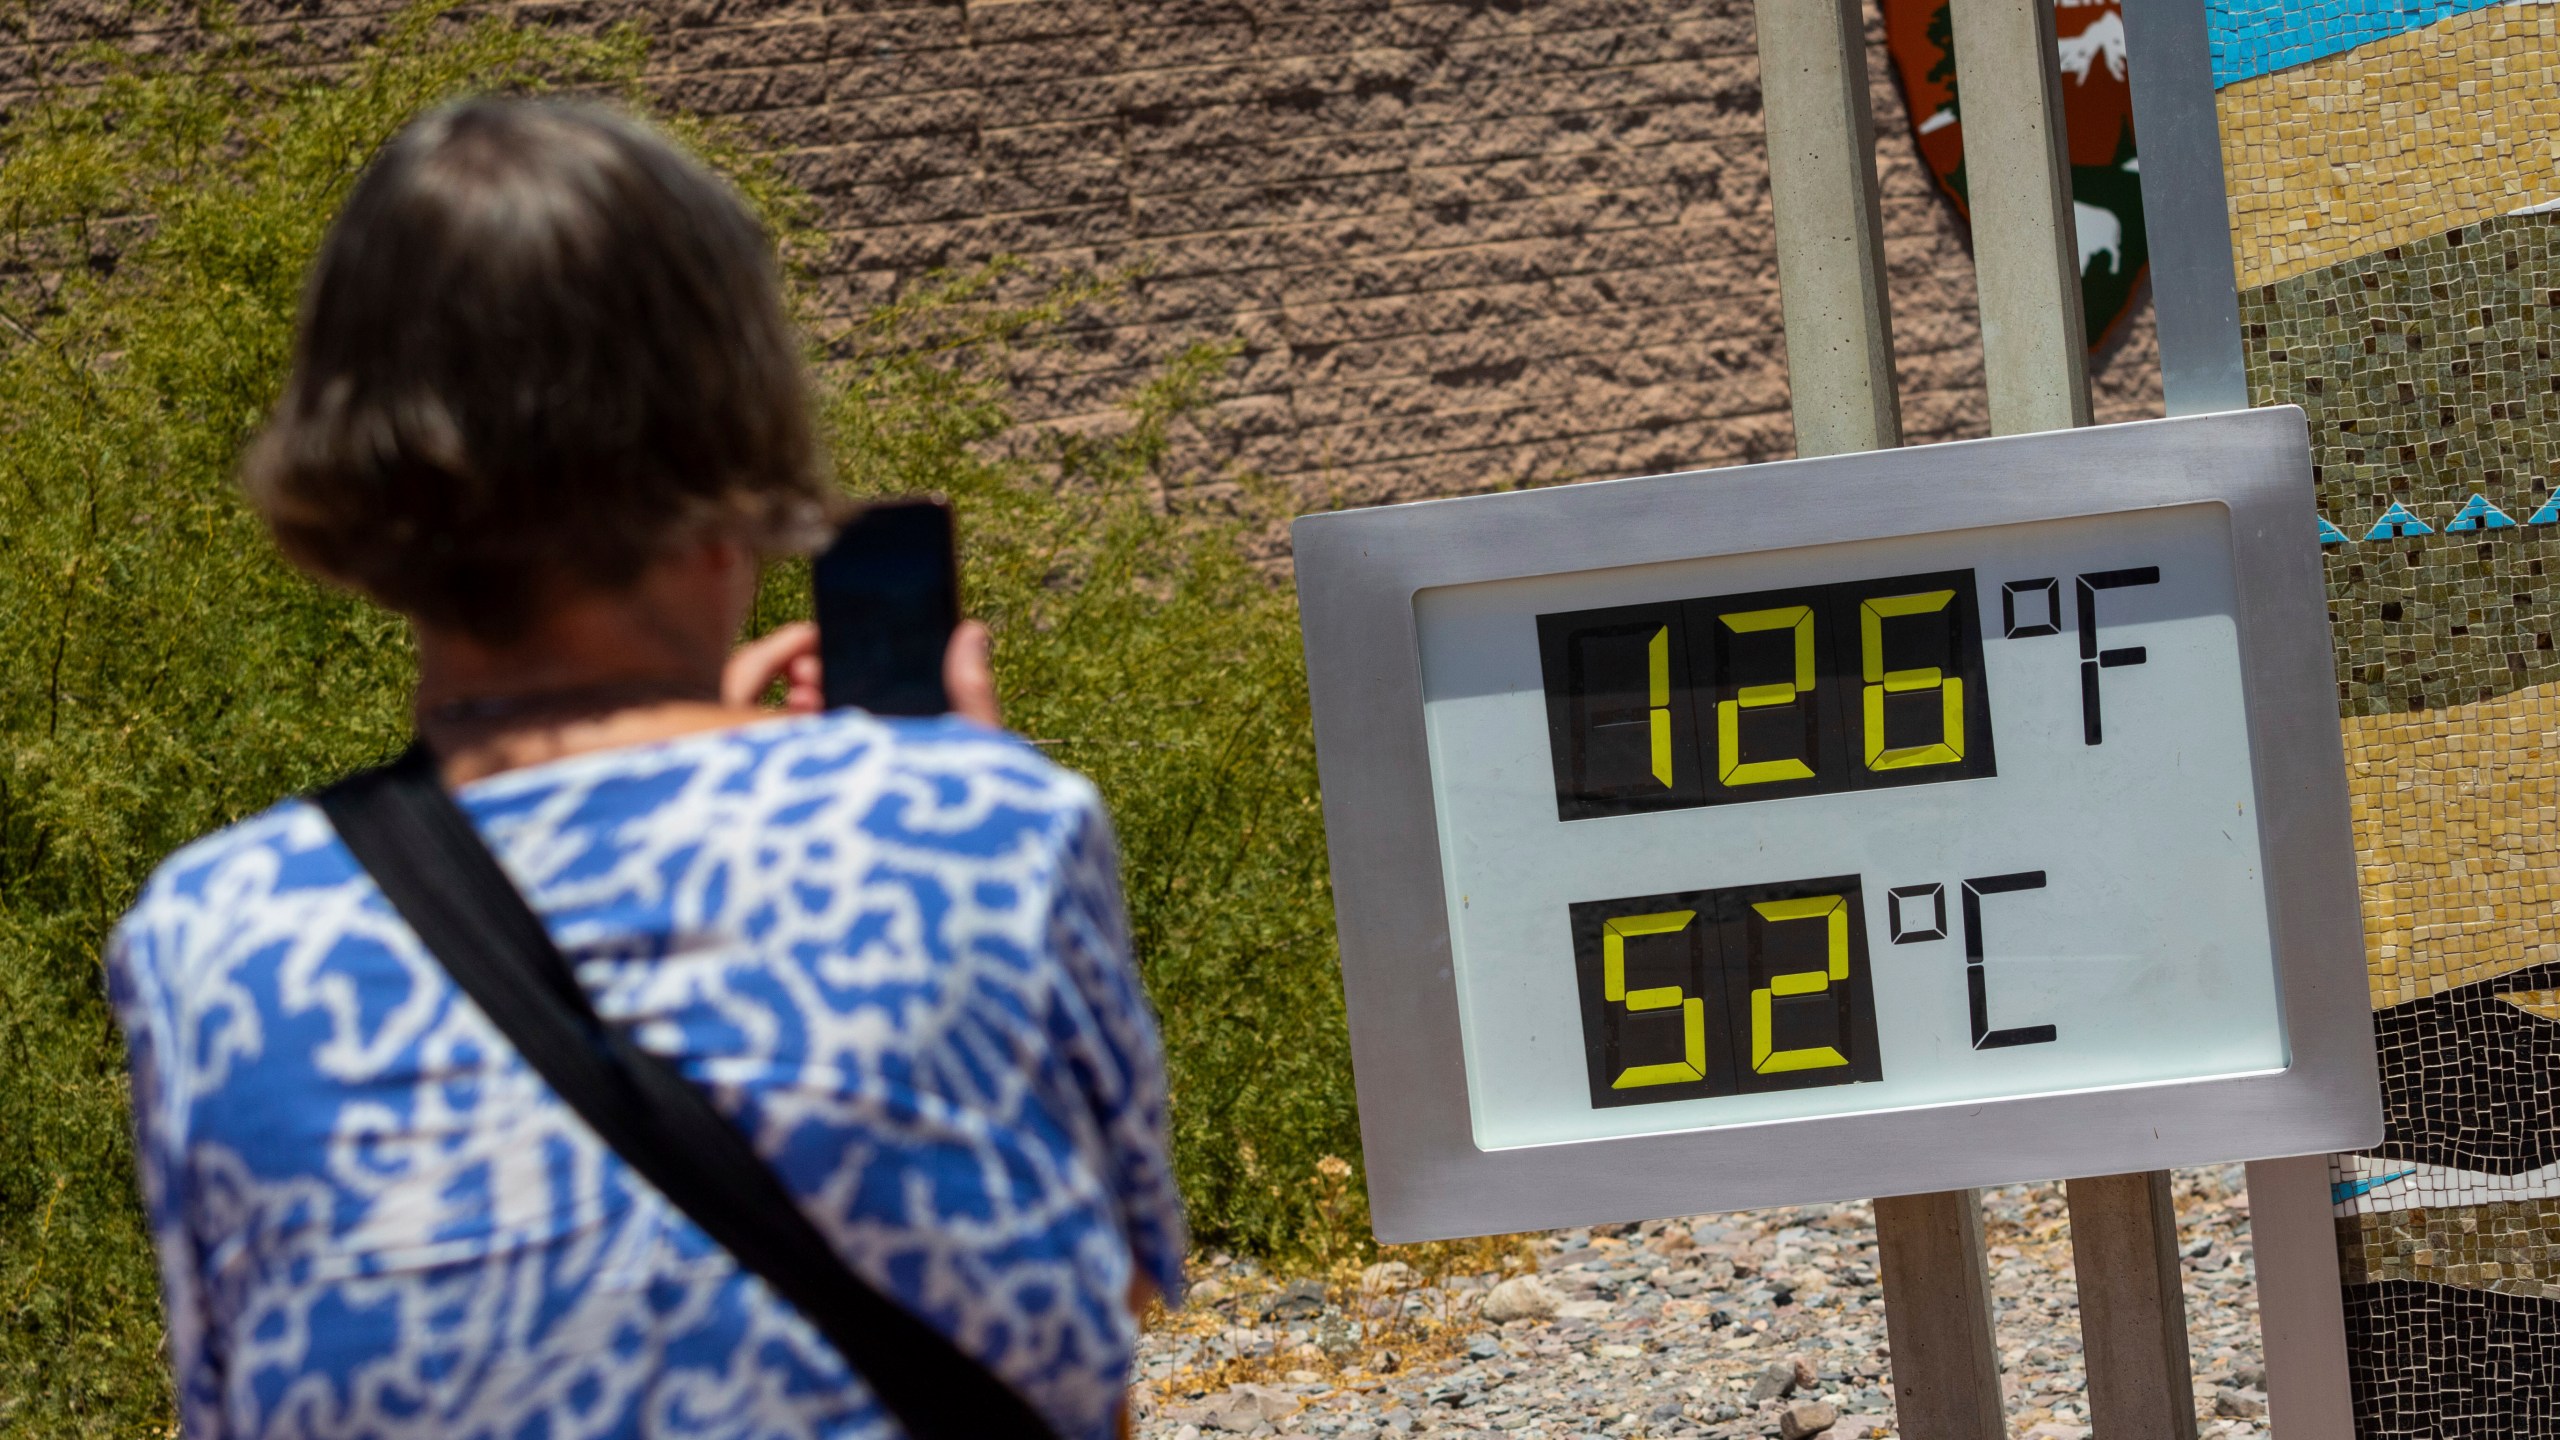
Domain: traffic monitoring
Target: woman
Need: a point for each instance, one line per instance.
(546, 406)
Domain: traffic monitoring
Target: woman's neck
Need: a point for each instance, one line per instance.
(484, 737)
(595, 671)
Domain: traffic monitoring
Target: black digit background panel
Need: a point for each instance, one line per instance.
(1601, 721)
(1724, 955)
(1609, 742)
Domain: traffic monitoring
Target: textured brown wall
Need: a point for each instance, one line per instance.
(1467, 245)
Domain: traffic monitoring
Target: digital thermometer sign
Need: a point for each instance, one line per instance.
(1991, 826)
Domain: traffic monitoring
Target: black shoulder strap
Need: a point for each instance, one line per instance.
(435, 870)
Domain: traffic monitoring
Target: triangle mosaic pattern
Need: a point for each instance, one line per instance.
(2398, 524)
(2477, 514)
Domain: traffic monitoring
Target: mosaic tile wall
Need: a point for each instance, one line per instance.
(2388, 165)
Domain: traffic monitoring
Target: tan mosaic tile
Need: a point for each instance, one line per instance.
(2392, 141)
(2511, 1247)
(2545, 1003)
(2457, 820)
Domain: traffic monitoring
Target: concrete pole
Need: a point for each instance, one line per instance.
(2133, 1315)
(1831, 281)
(1937, 1317)
(2026, 255)
(1822, 185)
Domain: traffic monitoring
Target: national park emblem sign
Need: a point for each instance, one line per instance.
(2097, 104)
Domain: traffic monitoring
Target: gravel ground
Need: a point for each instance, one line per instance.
(1759, 1324)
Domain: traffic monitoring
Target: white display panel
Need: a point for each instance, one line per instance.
(2145, 948)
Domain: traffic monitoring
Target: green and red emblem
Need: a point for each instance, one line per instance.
(2097, 104)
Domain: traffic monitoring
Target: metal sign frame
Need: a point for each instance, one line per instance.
(1358, 573)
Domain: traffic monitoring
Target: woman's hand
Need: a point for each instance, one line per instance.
(969, 674)
(790, 655)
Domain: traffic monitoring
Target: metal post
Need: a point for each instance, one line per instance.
(2302, 1314)
(1831, 283)
(2293, 1236)
(2194, 294)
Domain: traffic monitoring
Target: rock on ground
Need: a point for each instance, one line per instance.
(1672, 1329)
(1522, 1297)
(1805, 1419)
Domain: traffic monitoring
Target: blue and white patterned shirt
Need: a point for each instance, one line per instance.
(892, 951)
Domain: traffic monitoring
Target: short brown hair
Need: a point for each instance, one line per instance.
(540, 346)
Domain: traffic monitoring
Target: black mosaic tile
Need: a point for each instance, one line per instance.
(2447, 1363)
(2471, 1080)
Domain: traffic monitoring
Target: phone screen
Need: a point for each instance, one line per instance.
(888, 598)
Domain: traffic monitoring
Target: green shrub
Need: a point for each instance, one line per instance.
(163, 673)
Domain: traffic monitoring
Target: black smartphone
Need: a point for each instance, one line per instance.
(888, 598)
